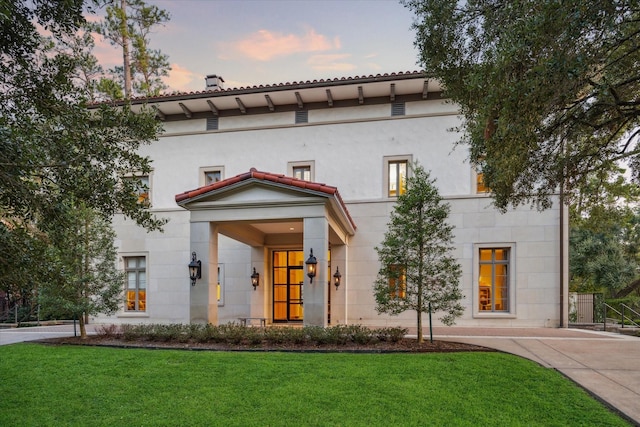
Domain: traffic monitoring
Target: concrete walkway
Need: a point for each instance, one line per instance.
(607, 365)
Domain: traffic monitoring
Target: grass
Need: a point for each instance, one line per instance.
(92, 386)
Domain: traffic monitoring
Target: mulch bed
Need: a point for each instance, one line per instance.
(406, 345)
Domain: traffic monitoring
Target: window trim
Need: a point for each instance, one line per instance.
(202, 171)
(310, 163)
(385, 172)
(123, 260)
(511, 313)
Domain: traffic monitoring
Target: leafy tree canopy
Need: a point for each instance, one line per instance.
(549, 90)
(417, 271)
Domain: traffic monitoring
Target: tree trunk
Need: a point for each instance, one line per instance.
(83, 328)
(420, 338)
(126, 56)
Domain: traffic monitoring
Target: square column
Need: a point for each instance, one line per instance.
(316, 237)
(204, 295)
(259, 299)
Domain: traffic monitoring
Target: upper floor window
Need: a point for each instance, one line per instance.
(396, 177)
(210, 175)
(302, 170)
(136, 292)
(141, 188)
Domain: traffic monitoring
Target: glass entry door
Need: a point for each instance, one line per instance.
(288, 280)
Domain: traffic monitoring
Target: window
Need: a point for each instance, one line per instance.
(480, 185)
(302, 170)
(141, 187)
(210, 175)
(397, 282)
(493, 279)
(397, 178)
(136, 292)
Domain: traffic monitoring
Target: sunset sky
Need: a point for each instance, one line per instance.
(253, 42)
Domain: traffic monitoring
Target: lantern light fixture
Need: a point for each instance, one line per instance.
(336, 278)
(255, 279)
(195, 269)
(311, 262)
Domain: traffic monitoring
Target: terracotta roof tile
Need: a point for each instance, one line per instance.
(266, 176)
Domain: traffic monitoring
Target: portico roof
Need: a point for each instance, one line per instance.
(278, 181)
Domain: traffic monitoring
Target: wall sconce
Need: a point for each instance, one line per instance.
(336, 278)
(255, 279)
(195, 269)
(311, 266)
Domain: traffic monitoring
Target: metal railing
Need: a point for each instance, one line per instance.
(623, 317)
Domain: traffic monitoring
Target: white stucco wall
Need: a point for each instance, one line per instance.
(348, 153)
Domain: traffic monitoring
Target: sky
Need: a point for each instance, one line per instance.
(260, 42)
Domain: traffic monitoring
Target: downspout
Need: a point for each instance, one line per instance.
(562, 260)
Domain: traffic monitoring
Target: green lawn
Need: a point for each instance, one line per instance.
(91, 386)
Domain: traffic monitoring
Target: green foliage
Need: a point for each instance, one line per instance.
(42, 385)
(416, 269)
(128, 25)
(237, 334)
(597, 261)
(81, 259)
(548, 89)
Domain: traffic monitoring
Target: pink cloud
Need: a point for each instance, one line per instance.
(336, 62)
(182, 79)
(265, 45)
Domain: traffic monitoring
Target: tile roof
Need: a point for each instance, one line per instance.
(280, 86)
(270, 177)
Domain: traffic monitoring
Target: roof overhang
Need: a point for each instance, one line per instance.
(256, 206)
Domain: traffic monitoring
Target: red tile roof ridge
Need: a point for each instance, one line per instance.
(267, 176)
(267, 86)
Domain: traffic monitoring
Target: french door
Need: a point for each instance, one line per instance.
(288, 280)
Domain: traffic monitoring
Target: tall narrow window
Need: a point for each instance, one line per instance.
(480, 185)
(136, 292)
(397, 178)
(397, 282)
(493, 279)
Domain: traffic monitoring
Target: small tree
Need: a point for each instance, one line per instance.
(84, 279)
(417, 272)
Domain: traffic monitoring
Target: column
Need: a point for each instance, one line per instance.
(316, 237)
(204, 295)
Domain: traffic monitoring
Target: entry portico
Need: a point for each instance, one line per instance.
(268, 212)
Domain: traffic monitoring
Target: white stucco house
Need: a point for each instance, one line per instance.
(254, 179)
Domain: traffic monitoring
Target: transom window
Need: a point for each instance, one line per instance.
(136, 292)
(493, 279)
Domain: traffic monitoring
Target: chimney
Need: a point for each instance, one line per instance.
(214, 82)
